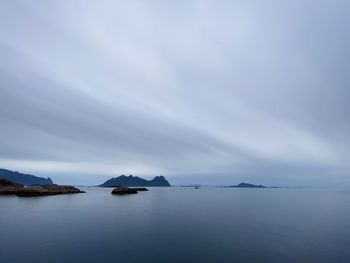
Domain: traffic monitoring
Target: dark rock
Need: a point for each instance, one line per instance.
(123, 191)
(9, 188)
(140, 189)
(135, 181)
(36, 190)
(25, 179)
(32, 191)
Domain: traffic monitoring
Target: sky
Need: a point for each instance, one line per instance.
(211, 92)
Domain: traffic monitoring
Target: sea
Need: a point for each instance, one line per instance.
(178, 224)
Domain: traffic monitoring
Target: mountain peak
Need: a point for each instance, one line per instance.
(135, 181)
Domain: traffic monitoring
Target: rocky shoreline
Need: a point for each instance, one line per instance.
(9, 188)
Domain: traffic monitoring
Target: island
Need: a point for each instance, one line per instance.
(247, 185)
(127, 181)
(9, 188)
(24, 179)
(121, 190)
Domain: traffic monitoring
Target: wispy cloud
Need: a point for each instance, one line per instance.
(200, 88)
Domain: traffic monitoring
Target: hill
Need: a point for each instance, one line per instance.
(135, 181)
(25, 179)
(246, 185)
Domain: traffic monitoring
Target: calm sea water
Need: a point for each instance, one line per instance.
(178, 225)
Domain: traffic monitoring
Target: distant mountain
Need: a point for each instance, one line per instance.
(135, 181)
(158, 181)
(25, 179)
(246, 185)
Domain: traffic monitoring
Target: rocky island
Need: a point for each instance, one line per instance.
(9, 188)
(126, 190)
(130, 180)
(246, 185)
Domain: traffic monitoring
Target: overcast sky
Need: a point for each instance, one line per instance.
(212, 92)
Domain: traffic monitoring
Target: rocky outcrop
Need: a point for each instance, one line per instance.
(140, 189)
(135, 181)
(50, 189)
(123, 191)
(126, 190)
(9, 188)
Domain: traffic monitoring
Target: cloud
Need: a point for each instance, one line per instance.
(192, 89)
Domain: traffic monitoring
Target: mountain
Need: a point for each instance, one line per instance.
(25, 179)
(158, 181)
(135, 181)
(246, 185)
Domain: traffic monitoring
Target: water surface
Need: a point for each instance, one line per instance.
(178, 225)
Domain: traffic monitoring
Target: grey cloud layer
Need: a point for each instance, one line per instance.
(194, 89)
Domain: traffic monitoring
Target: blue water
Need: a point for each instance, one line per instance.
(178, 225)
